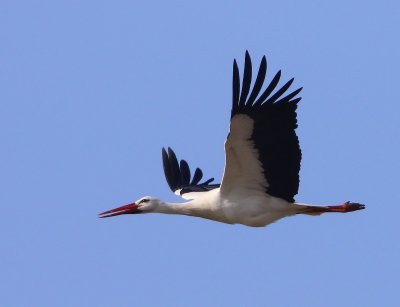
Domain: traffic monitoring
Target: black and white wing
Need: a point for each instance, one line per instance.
(262, 150)
(179, 178)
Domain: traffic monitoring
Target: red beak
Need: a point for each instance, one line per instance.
(127, 209)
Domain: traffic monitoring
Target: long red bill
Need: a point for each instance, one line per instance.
(127, 209)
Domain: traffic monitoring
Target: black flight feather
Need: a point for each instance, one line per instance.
(275, 121)
(178, 175)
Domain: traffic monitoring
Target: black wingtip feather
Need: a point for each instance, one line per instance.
(270, 88)
(198, 174)
(208, 181)
(185, 172)
(167, 170)
(235, 83)
(290, 96)
(280, 92)
(246, 83)
(173, 161)
(296, 100)
(178, 175)
(262, 71)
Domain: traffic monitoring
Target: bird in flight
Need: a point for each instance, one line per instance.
(262, 162)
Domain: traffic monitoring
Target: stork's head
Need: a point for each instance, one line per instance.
(142, 205)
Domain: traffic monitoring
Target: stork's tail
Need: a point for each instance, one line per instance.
(317, 210)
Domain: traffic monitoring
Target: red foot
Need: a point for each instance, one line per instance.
(346, 207)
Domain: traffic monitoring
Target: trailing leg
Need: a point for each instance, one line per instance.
(317, 210)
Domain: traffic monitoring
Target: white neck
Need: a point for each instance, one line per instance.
(196, 207)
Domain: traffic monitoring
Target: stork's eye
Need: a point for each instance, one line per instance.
(144, 200)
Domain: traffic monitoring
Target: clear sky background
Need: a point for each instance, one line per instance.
(91, 90)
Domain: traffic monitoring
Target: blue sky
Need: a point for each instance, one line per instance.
(91, 90)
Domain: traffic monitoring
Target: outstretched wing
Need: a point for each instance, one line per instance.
(262, 150)
(179, 178)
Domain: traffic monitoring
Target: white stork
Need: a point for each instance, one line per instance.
(262, 163)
